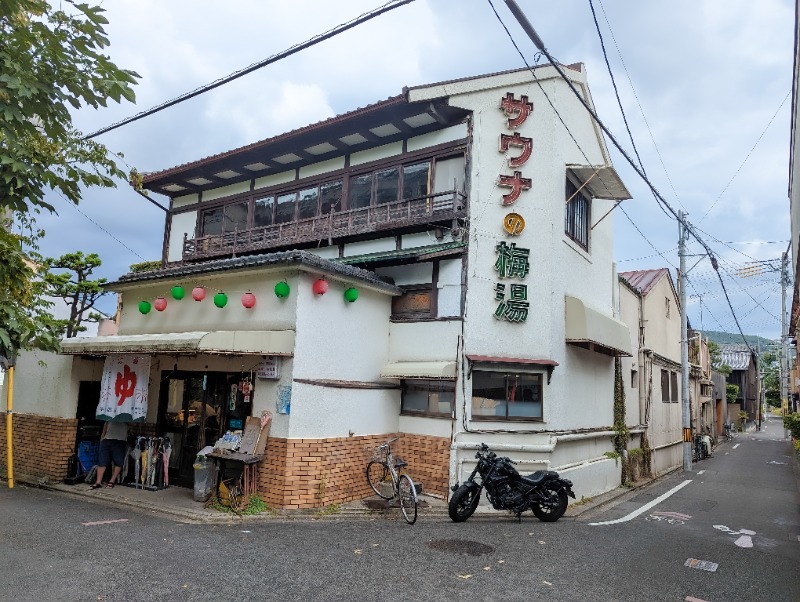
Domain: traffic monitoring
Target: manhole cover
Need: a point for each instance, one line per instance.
(460, 546)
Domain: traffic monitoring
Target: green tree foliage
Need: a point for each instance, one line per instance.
(772, 378)
(52, 61)
(25, 315)
(72, 283)
(731, 392)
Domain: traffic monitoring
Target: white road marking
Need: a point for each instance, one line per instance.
(105, 522)
(735, 446)
(745, 541)
(699, 472)
(705, 565)
(646, 507)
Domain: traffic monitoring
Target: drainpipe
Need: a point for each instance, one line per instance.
(9, 426)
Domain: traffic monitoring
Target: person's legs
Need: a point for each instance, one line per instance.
(117, 449)
(103, 458)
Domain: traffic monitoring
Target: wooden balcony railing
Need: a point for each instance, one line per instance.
(436, 208)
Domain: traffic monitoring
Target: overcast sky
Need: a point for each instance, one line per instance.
(705, 86)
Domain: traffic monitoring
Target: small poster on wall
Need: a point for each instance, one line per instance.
(284, 401)
(269, 367)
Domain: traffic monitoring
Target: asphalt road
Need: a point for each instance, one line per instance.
(741, 514)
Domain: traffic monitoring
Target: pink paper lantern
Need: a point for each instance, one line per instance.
(198, 293)
(320, 287)
(160, 304)
(248, 300)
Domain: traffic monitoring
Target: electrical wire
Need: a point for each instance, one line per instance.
(687, 226)
(736, 173)
(255, 66)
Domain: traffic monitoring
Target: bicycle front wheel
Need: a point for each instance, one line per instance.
(378, 473)
(407, 496)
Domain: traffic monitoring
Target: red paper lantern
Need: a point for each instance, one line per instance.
(320, 287)
(248, 300)
(198, 293)
(160, 304)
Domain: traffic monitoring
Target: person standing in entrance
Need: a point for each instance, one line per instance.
(113, 445)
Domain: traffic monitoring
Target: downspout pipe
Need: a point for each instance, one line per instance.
(9, 426)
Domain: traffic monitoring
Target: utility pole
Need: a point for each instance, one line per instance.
(683, 235)
(784, 364)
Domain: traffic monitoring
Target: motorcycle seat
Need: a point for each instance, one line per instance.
(541, 475)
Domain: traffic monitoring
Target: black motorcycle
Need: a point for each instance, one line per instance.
(543, 492)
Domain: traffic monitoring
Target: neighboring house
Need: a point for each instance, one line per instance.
(744, 373)
(432, 267)
(701, 386)
(722, 415)
(649, 306)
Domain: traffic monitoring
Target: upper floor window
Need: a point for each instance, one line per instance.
(577, 215)
(431, 397)
(387, 184)
(500, 396)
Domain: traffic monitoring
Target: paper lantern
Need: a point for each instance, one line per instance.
(282, 289)
(144, 307)
(248, 300)
(178, 293)
(220, 299)
(320, 287)
(351, 294)
(160, 304)
(198, 293)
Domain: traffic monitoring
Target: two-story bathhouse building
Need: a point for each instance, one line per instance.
(436, 267)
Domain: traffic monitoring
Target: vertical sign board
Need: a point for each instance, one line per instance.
(512, 261)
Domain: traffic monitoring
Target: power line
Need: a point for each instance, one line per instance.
(255, 66)
(639, 104)
(687, 226)
(736, 173)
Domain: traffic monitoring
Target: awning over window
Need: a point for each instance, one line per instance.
(236, 342)
(441, 370)
(592, 330)
(601, 181)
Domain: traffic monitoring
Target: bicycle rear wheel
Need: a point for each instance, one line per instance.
(377, 473)
(407, 496)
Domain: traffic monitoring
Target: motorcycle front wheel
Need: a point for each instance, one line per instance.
(463, 503)
(554, 509)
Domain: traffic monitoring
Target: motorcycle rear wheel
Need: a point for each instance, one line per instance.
(463, 503)
(551, 514)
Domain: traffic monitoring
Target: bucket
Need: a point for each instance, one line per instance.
(203, 479)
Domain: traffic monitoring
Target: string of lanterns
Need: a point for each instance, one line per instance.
(282, 291)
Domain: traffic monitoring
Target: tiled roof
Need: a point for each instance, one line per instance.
(735, 355)
(295, 259)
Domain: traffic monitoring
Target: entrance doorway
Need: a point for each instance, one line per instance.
(195, 409)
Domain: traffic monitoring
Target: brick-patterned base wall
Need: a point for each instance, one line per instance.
(42, 446)
(313, 473)
(428, 461)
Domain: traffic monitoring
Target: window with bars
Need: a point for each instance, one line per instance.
(577, 215)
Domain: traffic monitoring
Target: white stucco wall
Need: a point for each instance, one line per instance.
(51, 388)
(337, 340)
(182, 224)
(188, 315)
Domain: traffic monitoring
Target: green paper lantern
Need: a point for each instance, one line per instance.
(178, 293)
(220, 299)
(145, 307)
(351, 294)
(282, 289)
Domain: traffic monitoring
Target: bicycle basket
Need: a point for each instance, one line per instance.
(379, 454)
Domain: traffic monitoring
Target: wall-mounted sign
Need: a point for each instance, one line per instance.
(270, 367)
(514, 224)
(512, 262)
